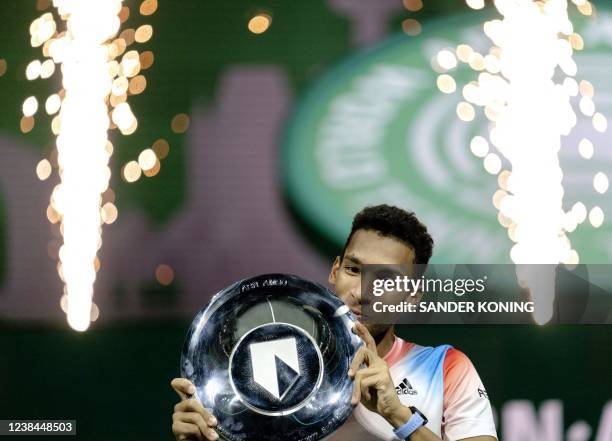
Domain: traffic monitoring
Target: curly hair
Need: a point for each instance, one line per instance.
(395, 222)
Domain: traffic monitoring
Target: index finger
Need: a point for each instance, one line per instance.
(187, 406)
(363, 333)
(358, 359)
(183, 387)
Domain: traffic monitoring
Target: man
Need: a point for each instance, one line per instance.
(394, 381)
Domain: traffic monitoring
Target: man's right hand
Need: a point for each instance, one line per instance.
(190, 421)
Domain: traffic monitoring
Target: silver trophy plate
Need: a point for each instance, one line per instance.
(269, 357)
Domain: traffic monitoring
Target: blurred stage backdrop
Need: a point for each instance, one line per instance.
(269, 134)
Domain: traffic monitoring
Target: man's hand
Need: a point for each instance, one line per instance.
(190, 421)
(373, 385)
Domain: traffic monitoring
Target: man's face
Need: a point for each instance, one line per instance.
(366, 247)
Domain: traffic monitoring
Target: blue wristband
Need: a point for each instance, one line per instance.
(415, 421)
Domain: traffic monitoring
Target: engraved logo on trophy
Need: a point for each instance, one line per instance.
(275, 368)
(275, 365)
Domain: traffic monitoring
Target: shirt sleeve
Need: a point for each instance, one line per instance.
(466, 409)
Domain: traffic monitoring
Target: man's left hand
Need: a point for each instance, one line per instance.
(373, 385)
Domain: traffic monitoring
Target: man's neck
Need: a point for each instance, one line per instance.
(385, 341)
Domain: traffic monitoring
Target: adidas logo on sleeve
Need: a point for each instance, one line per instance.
(405, 388)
